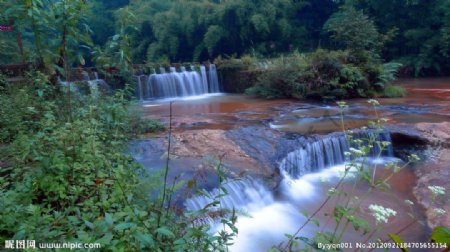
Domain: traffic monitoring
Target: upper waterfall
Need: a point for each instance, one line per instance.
(178, 84)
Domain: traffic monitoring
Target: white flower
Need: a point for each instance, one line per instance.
(358, 141)
(439, 211)
(385, 143)
(409, 202)
(331, 191)
(413, 158)
(437, 190)
(373, 102)
(381, 213)
(342, 104)
(347, 154)
(355, 151)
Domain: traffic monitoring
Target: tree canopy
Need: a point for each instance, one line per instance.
(413, 32)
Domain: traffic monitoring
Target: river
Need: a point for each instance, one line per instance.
(256, 136)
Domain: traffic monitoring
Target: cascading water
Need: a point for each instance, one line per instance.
(302, 171)
(177, 84)
(203, 73)
(94, 84)
(213, 80)
(315, 156)
(328, 152)
(241, 193)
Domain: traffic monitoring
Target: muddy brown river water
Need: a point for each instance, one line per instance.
(257, 134)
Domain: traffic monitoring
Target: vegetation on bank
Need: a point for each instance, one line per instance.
(356, 70)
(65, 175)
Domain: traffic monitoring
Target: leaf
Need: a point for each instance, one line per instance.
(89, 224)
(398, 241)
(339, 212)
(123, 226)
(191, 183)
(82, 61)
(108, 219)
(315, 221)
(106, 239)
(146, 239)
(441, 234)
(165, 231)
(359, 223)
(305, 213)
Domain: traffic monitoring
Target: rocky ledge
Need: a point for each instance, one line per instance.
(437, 173)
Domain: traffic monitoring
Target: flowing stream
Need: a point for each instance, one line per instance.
(307, 174)
(299, 139)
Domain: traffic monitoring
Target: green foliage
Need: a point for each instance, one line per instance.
(388, 73)
(21, 106)
(197, 30)
(441, 234)
(353, 29)
(117, 51)
(59, 30)
(394, 91)
(323, 75)
(66, 177)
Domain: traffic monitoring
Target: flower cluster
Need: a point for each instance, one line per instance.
(413, 158)
(437, 190)
(381, 213)
(439, 211)
(356, 151)
(342, 104)
(373, 102)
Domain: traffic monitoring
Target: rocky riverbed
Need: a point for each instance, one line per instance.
(251, 136)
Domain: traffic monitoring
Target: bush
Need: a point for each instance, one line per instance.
(68, 177)
(394, 91)
(325, 75)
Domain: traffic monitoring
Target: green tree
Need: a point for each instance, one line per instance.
(354, 30)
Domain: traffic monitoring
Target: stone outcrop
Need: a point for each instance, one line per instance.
(437, 173)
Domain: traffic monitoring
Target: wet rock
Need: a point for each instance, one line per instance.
(437, 173)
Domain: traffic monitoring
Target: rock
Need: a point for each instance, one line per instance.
(435, 174)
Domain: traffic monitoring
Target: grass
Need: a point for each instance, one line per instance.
(394, 91)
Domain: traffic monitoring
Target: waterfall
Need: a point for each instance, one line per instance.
(140, 87)
(177, 84)
(213, 80)
(85, 76)
(240, 194)
(328, 152)
(204, 78)
(95, 84)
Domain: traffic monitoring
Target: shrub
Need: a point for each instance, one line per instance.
(68, 177)
(324, 75)
(394, 91)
